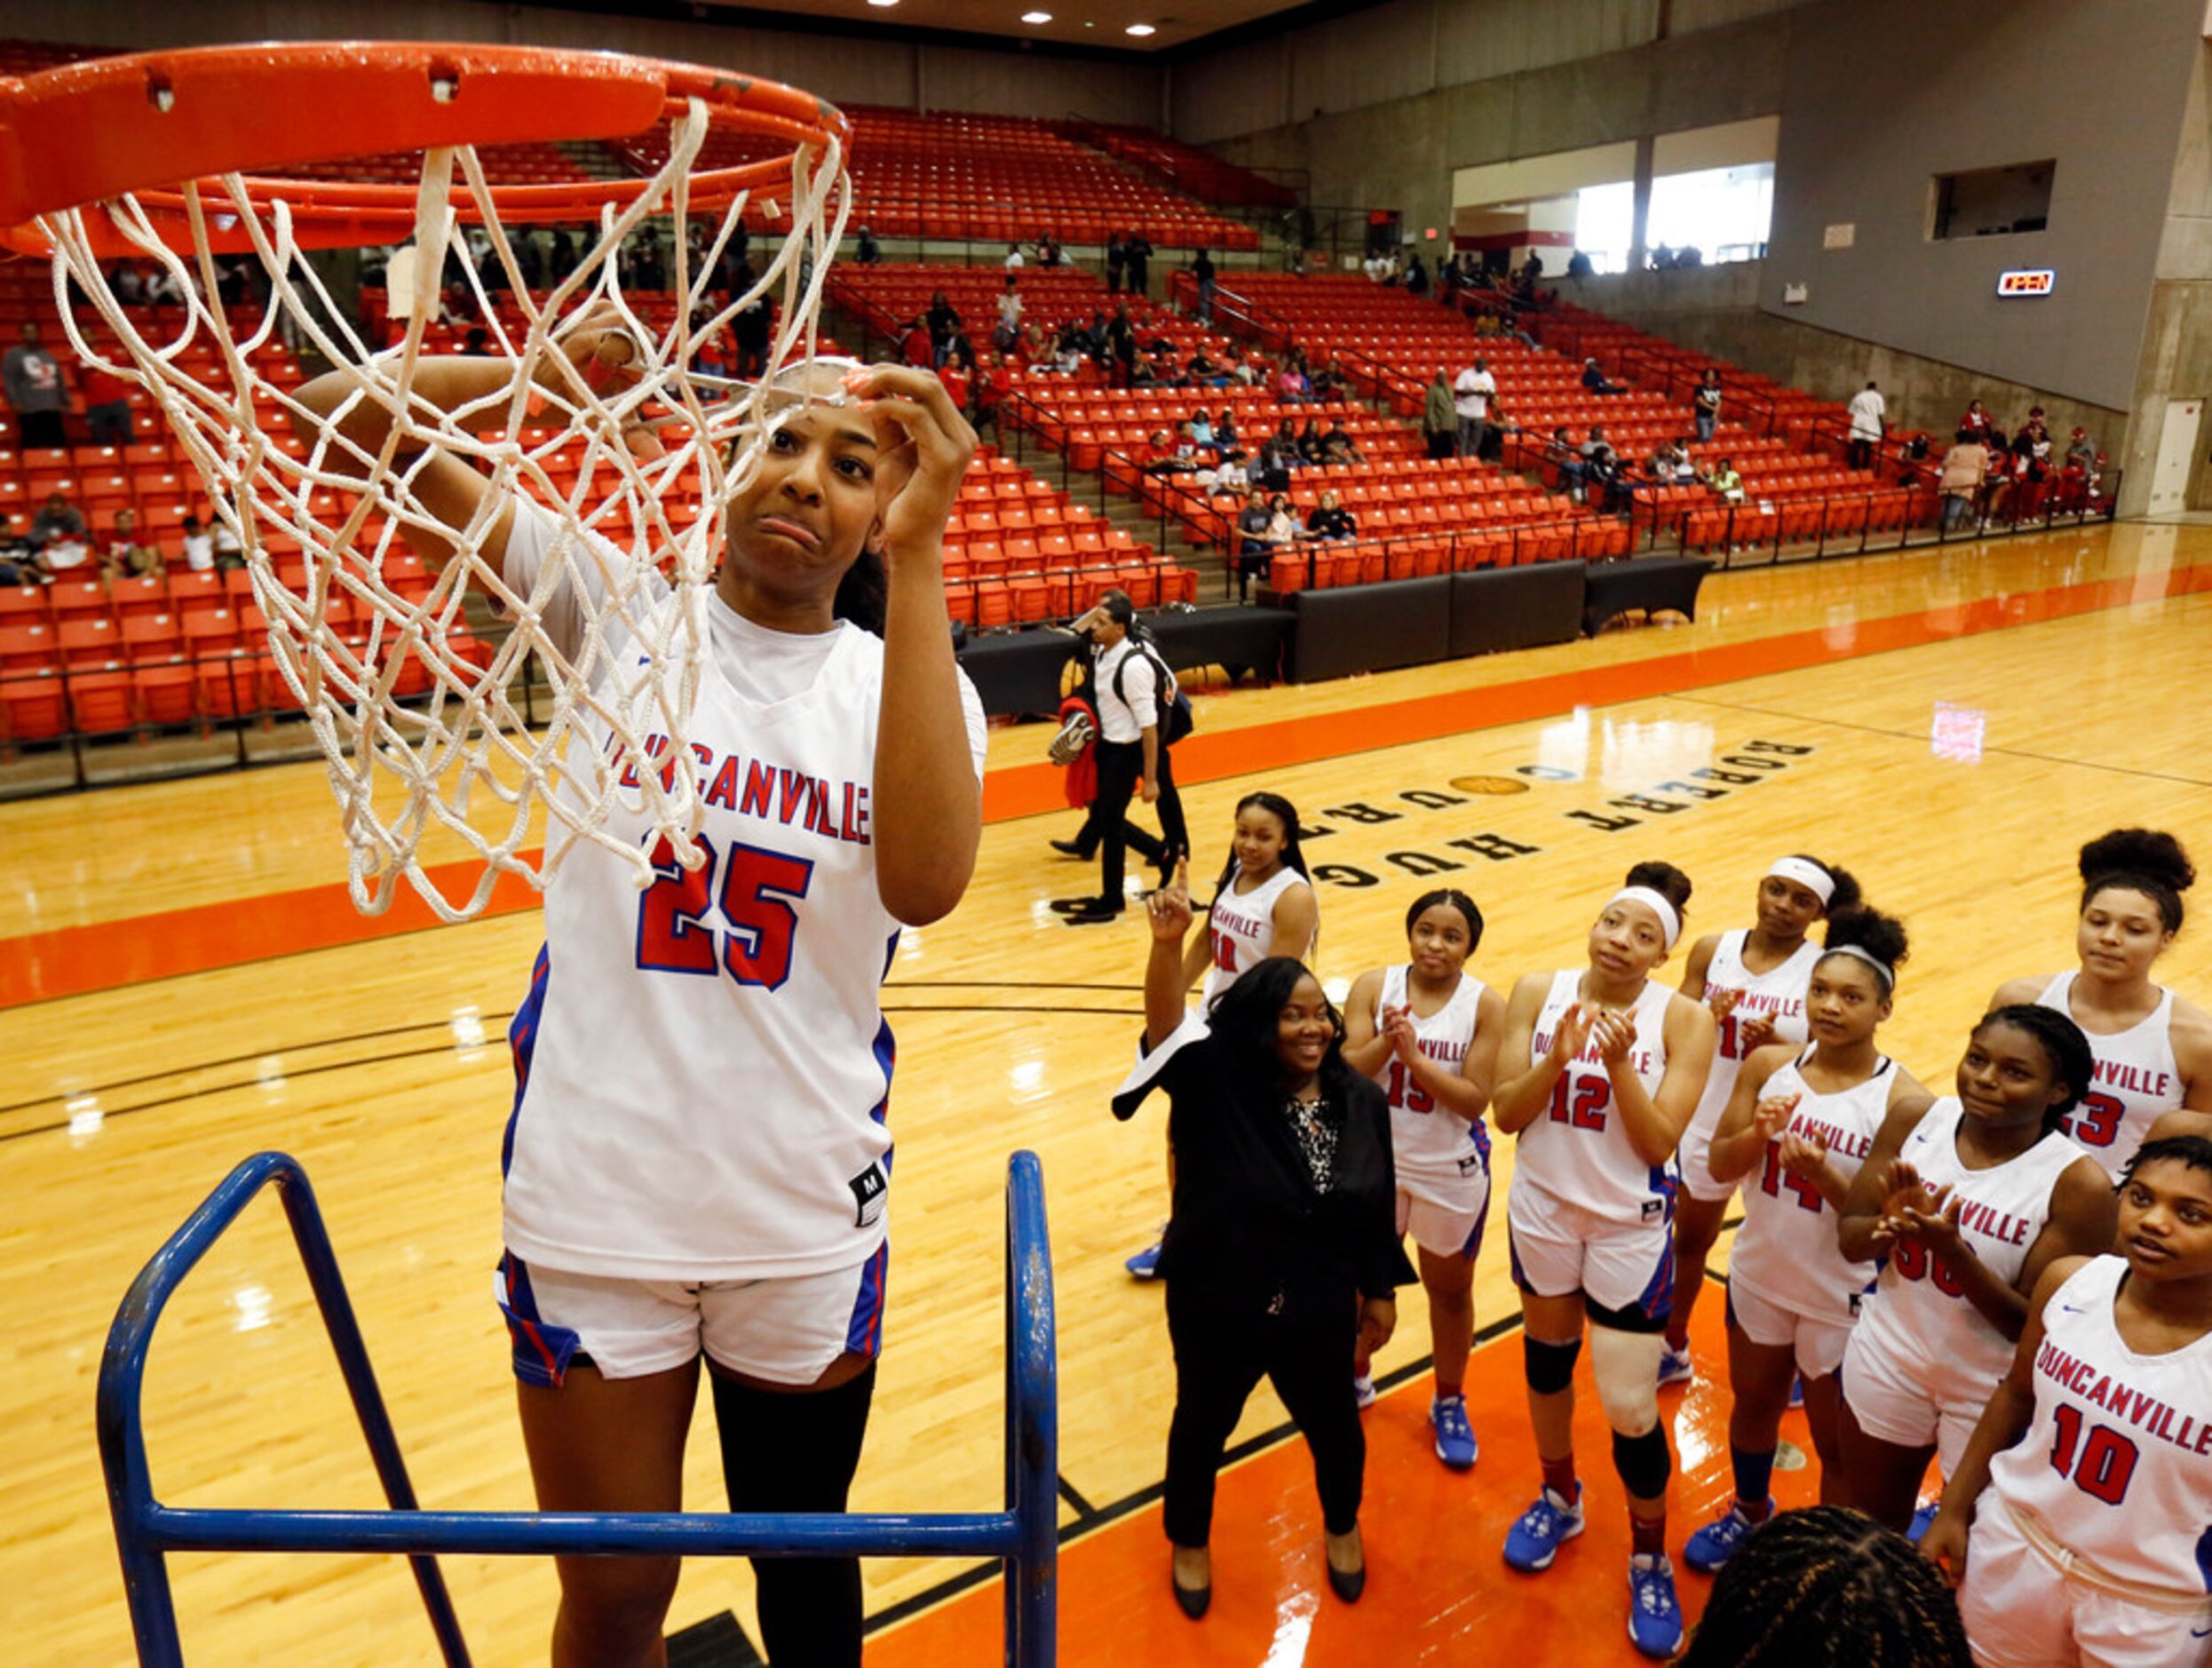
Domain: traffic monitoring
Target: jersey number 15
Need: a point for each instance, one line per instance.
(756, 889)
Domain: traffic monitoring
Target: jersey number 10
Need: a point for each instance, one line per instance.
(756, 890)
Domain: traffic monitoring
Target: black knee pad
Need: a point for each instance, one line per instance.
(1550, 1366)
(1643, 1462)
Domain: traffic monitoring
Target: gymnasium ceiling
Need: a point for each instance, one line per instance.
(1076, 25)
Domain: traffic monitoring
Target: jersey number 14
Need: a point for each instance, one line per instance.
(756, 888)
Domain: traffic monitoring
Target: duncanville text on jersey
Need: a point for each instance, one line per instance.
(771, 792)
(2147, 1413)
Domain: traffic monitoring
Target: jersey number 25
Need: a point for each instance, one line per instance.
(756, 890)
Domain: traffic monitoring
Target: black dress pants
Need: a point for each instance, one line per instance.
(1121, 765)
(1220, 1356)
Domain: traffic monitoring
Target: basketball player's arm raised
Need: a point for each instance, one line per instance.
(1465, 1092)
(1749, 1120)
(2003, 1422)
(1858, 1231)
(1367, 1048)
(929, 807)
(1520, 1100)
(1168, 912)
(1655, 1122)
(1700, 962)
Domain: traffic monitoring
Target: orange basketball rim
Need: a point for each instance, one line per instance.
(157, 126)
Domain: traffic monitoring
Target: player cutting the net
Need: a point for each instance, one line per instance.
(698, 1162)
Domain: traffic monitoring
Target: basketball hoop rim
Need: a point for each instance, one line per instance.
(143, 123)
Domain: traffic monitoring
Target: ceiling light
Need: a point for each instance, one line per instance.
(1036, 17)
(1139, 29)
(883, 3)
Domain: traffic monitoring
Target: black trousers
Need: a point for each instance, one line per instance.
(1121, 764)
(1134, 836)
(39, 429)
(783, 1452)
(1220, 1356)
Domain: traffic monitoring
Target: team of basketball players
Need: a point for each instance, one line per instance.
(2013, 1278)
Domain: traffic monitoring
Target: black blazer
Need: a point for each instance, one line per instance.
(1248, 1229)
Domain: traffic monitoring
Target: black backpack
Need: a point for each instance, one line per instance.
(1173, 718)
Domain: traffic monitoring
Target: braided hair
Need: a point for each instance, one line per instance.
(1827, 1587)
(2142, 860)
(2072, 1061)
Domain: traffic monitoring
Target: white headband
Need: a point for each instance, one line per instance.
(1670, 922)
(1882, 970)
(1811, 876)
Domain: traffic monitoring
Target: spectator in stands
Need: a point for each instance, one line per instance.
(1283, 521)
(1199, 426)
(1336, 446)
(2030, 447)
(867, 252)
(35, 390)
(1225, 433)
(1560, 452)
(1008, 330)
(1202, 274)
(1867, 411)
(66, 554)
(1048, 252)
(1448, 279)
(1660, 466)
(1577, 265)
(943, 319)
(2080, 451)
(1965, 467)
(1416, 276)
(1292, 386)
(199, 546)
(229, 555)
(1330, 382)
(1116, 263)
(1014, 262)
(107, 404)
(1594, 379)
(1725, 482)
(1997, 481)
(1439, 420)
(1977, 420)
(126, 556)
(1121, 338)
(1331, 520)
(1036, 346)
(1198, 368)
(560, 260)
(752, 326)
(1228, 475)
(1137, 250)
(1271, 468)
(530, 256)
(57, 519)
(477, 342)
(128, 283)
(1500, 428)
(647, 269)
(1257, 543)
(1708, 398)
(1310, 444)
(1470, 405)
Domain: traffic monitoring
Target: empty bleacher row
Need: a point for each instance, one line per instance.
(946, 174)
(1200, 173)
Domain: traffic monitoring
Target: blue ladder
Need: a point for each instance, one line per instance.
(1023, 1536)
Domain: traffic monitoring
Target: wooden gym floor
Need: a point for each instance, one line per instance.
(183, 983)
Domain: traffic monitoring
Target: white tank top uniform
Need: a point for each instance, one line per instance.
(1440, 1157)
(1577, 1150)
(2111, 1489)
(1918, 1335)
(1787, 1258)
(1586, 1213)
(1239, 927)
(703, 1067)
(1778, 993)
(2136, 1079)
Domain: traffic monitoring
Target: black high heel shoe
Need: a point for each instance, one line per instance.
(1192, 1601)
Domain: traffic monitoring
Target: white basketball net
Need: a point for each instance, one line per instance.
(403, 768)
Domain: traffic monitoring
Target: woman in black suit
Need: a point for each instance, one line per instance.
(1282, 1251)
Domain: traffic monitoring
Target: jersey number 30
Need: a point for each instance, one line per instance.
(756, 889)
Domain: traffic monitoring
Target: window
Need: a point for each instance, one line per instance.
(1990, 202)
(1722, 213)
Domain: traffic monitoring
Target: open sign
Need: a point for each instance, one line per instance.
(2027, 282)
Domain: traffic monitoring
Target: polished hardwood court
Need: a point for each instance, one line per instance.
(1950, 725)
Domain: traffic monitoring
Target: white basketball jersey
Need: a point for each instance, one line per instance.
(1576, 1150)
(1787, 1250)
(1425, 1140)
(1778, 994)
(1917, 1310)
(1240, 928)
(2136, 1079)
(703, 1067)
(2117, 1463)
